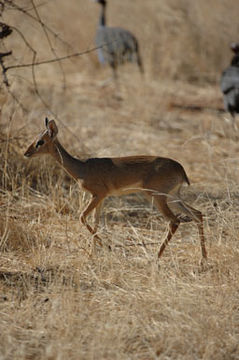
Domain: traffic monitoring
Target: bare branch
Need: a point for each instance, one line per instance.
(2, 55)
(23, 38)
(54, 60)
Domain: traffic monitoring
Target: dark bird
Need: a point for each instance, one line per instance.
(230, 83)
(116, 45)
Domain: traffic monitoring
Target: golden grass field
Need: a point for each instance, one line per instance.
(61, 298)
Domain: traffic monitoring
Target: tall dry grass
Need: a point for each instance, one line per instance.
(59, 298)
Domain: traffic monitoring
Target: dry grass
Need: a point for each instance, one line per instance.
(57, 300)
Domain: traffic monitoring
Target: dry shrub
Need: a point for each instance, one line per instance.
(16, 236)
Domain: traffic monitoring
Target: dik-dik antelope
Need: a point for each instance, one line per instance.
(157, 177)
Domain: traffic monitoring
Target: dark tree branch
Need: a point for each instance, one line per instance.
(6, 30)
(2, 55)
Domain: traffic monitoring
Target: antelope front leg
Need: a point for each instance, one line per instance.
(92, 205)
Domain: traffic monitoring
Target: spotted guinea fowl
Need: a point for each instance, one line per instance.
(230, 83)
(116, 45)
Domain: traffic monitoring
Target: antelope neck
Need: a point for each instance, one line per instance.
(75, 167)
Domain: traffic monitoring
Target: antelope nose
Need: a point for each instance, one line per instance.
(27, 154)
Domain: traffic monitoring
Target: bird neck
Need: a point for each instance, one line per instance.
(102, 21)
(235, 60)
(75, 167)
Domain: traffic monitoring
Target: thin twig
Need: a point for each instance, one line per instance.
(55, 60)
(25, 12)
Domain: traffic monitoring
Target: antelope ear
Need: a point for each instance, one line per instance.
(52, 128)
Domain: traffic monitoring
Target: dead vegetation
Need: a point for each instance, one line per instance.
(58, 299)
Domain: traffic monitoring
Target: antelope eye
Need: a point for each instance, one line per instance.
(39, 143)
